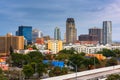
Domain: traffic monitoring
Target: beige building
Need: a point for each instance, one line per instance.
(55, 45)
(71, 31)
(16, 42)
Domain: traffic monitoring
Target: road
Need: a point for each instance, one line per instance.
(96, 75)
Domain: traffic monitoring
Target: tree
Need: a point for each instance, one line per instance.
(82, 54)
(63, 56)
(41, 68)
(111, 62)
(11, 50)
(70, 51)
(1, 71)
(91, 62)
(28, 71)
(113, 77)
(35, 56)
(2, 77)
(64, 71)
(117, 53)
(76, 59)
(106, 52)
(34, 47)
(19, 60)
(55, 72)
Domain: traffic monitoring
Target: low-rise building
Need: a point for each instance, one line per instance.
(91, 49)
(98, 56)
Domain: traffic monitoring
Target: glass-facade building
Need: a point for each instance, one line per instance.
(107, 32)
(26, 31)
(57, 34)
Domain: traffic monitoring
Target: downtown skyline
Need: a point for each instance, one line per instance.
(48, 14)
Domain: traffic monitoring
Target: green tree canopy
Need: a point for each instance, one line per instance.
(111, 62)
(36, 56)
(113, 77)
(28, 71)
(106, 52)
(76, 59)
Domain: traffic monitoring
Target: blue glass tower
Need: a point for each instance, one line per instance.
(26, 31)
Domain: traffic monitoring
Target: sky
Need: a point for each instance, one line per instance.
(45, 15)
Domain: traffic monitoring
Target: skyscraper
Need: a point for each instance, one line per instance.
(96, 32)
(36, 34)
(57, 34)
(71, 31)
(26, 31)
(107, 32)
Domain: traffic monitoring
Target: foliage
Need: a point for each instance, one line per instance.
(70, 51)
(106, 52)
(82, 54)
(63, 56)
(90, 62)
(2, 77)
(113, 77)
(41, 68)
(58, 71)
(111, 62)
(117, 53)
(34, 47)
(49, 56)
(1, 71)
(76, 59)
(28, 71)
(64, 71)
(35, 56)
(19, 59)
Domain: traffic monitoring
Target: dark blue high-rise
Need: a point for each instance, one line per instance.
(26, 31)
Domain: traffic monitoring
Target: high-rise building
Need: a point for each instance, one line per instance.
(26, 31)
(96, 32)
(57, 34)
(16, 42)
(107, 32)
(55, 45)
(36, 34)
(71, 31)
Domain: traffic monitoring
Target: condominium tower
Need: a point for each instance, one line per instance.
(57, 34)
(107, 32)
(71, 31)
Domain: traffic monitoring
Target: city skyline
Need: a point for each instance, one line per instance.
(45, 16)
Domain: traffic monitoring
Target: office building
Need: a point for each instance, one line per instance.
(26, 31)
(36, 34)
(55, 46)
(16, 42)
(86, 37)
(107, 32)
(71, 31)
(96, 33)
(57, 34)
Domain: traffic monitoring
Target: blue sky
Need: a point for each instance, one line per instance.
(45, 15)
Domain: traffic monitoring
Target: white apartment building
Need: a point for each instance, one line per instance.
(91, 49)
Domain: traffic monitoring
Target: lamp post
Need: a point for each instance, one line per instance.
(75, 67)
(94, 63)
